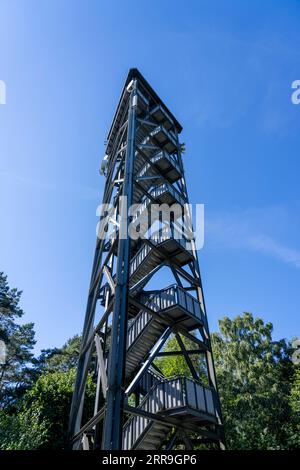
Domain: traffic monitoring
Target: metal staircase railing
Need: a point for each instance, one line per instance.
(146, 259)
(165, 300)
(179, 396)
(164, 138)
(148, 380)
(173, 304)
(163, 194)
(142, 335)
(164, 164)
(158, 137)
(162, 117)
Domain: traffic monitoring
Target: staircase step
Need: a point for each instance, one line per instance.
(157, 437)
(148, 447)
(154, 442)
(150, 336)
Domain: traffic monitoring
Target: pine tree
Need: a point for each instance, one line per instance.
(18, 341)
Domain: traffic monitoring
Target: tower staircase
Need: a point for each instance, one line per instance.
(136, 405)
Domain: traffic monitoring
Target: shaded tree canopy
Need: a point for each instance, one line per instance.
(15, 371)
(254, 378)
(59, 359)
(43, 413)
(294, 424)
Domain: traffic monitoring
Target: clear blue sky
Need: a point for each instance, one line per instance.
(225, 69)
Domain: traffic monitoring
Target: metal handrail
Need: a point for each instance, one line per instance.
(155, 192)
(184, 399)
(137, 326)
(191, 305)
(156, 157)
(157, 238)
(170, 135)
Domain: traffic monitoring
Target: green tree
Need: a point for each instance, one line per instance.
(254, 374)
(59, 359)
(20, 432)
(15, 371)
(43, 414)
(172, 365)
(294, 424)
(176, 364)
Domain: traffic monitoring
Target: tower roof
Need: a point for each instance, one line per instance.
(134, 73)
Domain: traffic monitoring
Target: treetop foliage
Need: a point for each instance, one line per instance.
(259, 384)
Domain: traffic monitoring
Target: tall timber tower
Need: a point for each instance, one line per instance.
(135, 325)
